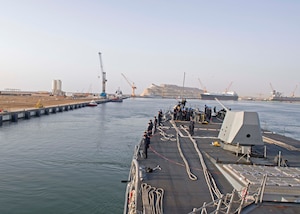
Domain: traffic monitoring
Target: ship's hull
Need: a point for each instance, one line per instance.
(92, 103)
(117, 100)
(286, 99)
(219, 97)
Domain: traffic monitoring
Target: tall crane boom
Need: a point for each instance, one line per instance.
(271, 87)
(104, 80)
(293, 93)
(202, 86)
(133, 87)
(227, 89)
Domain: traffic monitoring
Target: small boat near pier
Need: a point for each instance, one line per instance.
(93, 103)
(118, 96)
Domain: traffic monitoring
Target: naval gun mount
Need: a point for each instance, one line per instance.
(240, 131)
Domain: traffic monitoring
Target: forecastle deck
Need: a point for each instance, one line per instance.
(184, 173)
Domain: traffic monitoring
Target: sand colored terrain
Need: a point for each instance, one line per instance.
(15, 103)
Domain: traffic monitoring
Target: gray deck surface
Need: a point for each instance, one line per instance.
(183, 194)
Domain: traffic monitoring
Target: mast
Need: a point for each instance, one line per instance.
(104, 80)
(182, 92)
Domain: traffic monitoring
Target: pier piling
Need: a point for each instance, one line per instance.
(27, 115)
(14, 117)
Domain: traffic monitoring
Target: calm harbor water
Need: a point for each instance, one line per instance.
(73, 162)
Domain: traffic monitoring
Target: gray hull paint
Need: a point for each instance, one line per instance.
(219, 97)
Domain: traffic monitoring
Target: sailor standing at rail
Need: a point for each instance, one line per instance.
(159, 118)
(191, 126)
(146, 142)
(150, 127)
(155, 124)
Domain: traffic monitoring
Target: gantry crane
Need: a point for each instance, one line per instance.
(133, 87)
(104, 80)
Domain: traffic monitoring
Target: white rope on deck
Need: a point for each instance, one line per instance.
(212, 186)
(152, 199)
(165, 136)
(187, 166)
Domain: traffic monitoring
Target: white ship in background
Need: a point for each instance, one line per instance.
(226, 95)
(118, 96)
(278, 96)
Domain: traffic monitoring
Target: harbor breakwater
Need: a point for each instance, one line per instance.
(16, 115)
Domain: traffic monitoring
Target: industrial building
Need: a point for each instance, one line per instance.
(57, 88)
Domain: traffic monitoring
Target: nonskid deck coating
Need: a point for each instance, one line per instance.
(181, 194)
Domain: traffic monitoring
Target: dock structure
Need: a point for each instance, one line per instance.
(16, 115)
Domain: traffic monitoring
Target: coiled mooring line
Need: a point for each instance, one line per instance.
(152, 199)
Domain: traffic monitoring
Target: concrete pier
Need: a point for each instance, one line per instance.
(14, 116)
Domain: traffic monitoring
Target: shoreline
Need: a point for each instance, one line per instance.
(26, 107)
(22, 103)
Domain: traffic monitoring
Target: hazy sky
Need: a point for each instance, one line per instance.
(250, 43)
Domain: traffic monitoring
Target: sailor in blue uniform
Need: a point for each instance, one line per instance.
(146, 142)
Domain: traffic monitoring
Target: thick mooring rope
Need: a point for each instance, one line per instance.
(152, 199)
(187, 166)
(214, 191)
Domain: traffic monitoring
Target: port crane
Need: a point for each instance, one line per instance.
(227, 89)
(271, 86)
(104, 80)
(293, 93)
(133, 87)
(202, 86)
